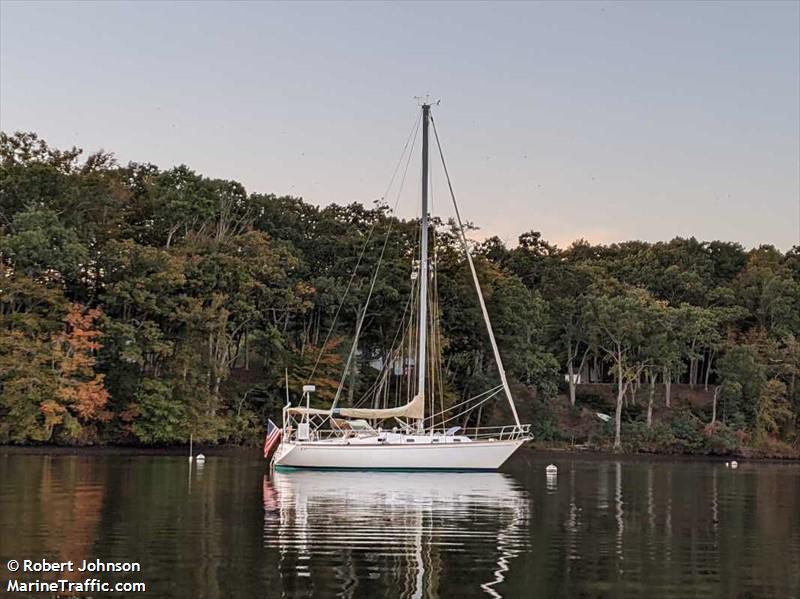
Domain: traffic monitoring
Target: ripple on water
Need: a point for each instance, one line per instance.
(398, 521)
(607, 528)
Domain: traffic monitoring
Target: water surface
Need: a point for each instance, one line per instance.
(226, 528)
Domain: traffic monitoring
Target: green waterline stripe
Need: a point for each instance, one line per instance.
(280, 468)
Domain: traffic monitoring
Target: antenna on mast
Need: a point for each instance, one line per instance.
(426, 100)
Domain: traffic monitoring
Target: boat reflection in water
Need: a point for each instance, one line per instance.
(354, 534)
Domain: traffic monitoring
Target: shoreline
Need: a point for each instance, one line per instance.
(603, 455)
(131, 450)
(255, 452)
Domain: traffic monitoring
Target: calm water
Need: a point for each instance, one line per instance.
(602, 528)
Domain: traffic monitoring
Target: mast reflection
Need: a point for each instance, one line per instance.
(397, 522)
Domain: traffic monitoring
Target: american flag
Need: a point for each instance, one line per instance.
(273, 434)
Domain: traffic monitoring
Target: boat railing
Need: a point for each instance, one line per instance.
(509, 432)
(321, 434)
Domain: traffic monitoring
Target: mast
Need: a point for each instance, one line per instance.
(423, 262)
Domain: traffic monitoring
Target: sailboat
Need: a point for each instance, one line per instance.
(402, 437)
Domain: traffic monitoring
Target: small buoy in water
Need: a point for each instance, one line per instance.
(200, 457)
(727, 464)
(734, 464)
(551, 469)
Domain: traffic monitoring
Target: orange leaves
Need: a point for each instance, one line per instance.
(53, 412)
(74, 346)
(86, 398)
(79, 387)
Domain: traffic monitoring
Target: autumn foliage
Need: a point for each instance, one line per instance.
(51, 389)
(212, 297)
(80, 389)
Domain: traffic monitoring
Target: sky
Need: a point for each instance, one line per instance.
(597, 120)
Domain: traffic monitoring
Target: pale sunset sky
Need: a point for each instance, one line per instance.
(603, 120)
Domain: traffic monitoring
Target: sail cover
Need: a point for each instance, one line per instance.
(415, 409)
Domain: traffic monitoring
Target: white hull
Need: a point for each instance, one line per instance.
(476, 455)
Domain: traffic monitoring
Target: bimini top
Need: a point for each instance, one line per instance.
(415, 409)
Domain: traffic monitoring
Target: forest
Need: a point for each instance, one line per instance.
(141, 306)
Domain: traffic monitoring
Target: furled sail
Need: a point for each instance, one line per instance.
(415, 409)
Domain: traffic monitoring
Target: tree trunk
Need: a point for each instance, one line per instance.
(714, 405)
(618, 414)
(708, 367)
(618, 418)
(172, 232)
(582, 365)
(650, 399)
(570, 373)
(667, 387)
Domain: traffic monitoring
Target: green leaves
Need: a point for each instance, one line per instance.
(209, 293)
(42, 248)
(159, 416)
(767, 289)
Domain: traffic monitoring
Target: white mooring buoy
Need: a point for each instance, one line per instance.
(200, 458)
(727, 464)
(734, 464)
(551, 469)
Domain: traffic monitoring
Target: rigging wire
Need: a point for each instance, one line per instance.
(486, 319)
(480, 403)
(493, 391)
(435, 344)
(363, 315)
(412, 136)
(394, 349)
(436, 322)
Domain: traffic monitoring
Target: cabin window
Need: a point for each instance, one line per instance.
(435, 441)
(456, 440)
(410, 440)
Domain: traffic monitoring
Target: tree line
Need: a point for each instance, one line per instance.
(140, 305)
